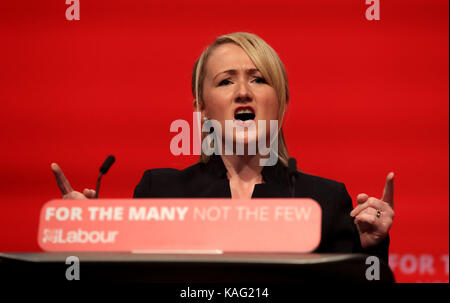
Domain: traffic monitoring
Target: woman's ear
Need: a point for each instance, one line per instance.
(197, 105)
(199, 108)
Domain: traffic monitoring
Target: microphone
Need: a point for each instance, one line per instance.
(292, 173)
(103, 170)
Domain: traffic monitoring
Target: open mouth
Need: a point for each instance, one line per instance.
(244, 113)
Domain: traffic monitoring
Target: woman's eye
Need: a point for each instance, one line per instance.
(260, 80)
(224, 82)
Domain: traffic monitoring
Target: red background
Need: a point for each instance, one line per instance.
(367, 97)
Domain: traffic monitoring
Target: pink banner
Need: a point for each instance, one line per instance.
(181, 225)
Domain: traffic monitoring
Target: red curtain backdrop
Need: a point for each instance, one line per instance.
(367, 98)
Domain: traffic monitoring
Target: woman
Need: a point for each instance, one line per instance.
(240, 78)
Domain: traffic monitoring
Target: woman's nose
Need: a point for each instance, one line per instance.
(244, 93)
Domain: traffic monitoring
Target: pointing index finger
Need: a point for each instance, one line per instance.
(388, 192)
(61, 180)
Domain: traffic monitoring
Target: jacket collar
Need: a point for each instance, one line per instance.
(277, 173)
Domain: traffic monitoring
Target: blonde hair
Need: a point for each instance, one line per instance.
(269, 65)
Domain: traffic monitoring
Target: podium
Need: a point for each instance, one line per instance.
(285, 268)
(182, 244)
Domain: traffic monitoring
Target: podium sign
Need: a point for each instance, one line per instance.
(181, 225)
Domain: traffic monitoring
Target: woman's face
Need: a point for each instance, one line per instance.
(233, 89)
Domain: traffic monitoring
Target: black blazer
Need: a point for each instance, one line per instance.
(339, 233)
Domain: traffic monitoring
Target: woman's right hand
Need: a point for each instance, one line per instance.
(65, 188)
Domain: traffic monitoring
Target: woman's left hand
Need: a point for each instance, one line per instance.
(373, 217)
